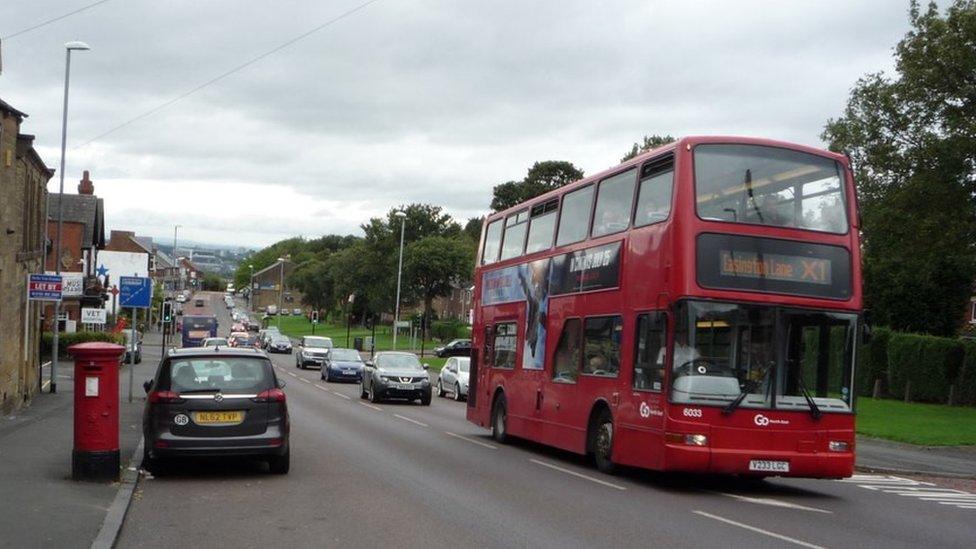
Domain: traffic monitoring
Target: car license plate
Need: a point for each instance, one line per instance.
(218, 418)
(405, 386)
(348, 372)
(768, 466)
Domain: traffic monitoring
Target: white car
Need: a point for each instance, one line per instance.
(181, 298)
(215, 342)
(312, 350)
(454, 377)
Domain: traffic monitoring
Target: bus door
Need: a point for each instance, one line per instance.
(558, 404)
(640, 416)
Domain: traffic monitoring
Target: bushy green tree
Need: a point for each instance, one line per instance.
(649, 142)
(541, 178)
(911, 138)
(433, 264)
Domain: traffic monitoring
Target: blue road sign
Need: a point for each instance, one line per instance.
(44, 287)
(135, 291)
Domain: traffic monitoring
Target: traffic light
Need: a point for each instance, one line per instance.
(315, 317)
(167, 312)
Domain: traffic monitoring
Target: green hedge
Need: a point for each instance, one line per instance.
(872, 363)
(930, 363)
(966, 386)
(67, 340)
(446, 330)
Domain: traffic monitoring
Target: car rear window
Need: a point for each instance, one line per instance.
(227, 374)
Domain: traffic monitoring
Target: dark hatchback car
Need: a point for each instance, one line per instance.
(395, 375)
(217, 402)
(342, 365)
(458, 347)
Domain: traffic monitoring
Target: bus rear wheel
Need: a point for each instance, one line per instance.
(499, 421)
(603, 443)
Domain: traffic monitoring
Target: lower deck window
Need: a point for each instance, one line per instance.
(505, 344)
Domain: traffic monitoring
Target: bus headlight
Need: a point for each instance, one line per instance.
(838, 446)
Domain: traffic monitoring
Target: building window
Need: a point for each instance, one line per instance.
(601, 343)
(506, 336)
(568, 353)
(972, 312)
(649, 351)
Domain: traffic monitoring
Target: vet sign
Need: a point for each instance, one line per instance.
(91, 315)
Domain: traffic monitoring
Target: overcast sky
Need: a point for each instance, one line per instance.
(409, 100)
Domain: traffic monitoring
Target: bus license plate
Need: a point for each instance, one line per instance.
(768, 466)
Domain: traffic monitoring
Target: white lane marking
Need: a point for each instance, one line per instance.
(414, 421)
(46, 383)
(774, 503)
(759, 530)
(321, 388)
(292, 375)
(377, 408)
(340, 395)
(578, 475)
(304, 380)
(922, 491)
(471, 440)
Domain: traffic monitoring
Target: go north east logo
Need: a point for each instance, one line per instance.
(764, 421)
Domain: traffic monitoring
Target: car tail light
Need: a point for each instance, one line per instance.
(271, 395)
(164, 397)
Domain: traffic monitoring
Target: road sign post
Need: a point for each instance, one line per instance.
(135, 292)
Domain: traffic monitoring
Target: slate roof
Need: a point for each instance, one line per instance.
(145, 241)
(82, 208)
(6, 107)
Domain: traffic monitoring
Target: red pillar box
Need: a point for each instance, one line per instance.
(96, 451)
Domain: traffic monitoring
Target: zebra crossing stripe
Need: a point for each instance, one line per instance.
(923, 491)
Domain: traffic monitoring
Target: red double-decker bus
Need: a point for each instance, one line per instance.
(694, 309)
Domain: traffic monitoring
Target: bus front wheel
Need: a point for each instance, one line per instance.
(603, 443)
(499, 421)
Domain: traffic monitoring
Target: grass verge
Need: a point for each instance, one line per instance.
(924, 424)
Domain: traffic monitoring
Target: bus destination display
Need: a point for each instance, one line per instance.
(774, 266)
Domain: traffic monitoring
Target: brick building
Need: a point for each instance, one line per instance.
(23, 186)
(266, 288)
(82, 236)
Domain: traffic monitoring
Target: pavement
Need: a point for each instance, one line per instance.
(40, 506)
(899, 458)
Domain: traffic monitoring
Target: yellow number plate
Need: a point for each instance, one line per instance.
(218, 418)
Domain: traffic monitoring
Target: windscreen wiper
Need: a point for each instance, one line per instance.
(746, 391)
(814, 409)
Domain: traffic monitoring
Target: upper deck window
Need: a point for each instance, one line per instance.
(574, 221)
(493, 242)
(769, 186)
(542, 225)
(654, 193)
(514, 242)
(613, 204)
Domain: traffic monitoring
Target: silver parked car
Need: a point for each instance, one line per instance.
(395, 375)
(454, 378)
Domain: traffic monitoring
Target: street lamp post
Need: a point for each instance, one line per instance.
(179, 269)
(281, 288)
(250, 287)
(69, 47)
(396, 314)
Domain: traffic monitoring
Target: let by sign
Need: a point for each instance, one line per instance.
(44, 287)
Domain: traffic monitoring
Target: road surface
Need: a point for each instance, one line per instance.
(398, 474)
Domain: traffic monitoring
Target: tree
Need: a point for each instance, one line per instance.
(213, 283)
(314, 279)
(650, 142)
(541, 178)
(432, 265)
(911, 140)
(472, 229)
